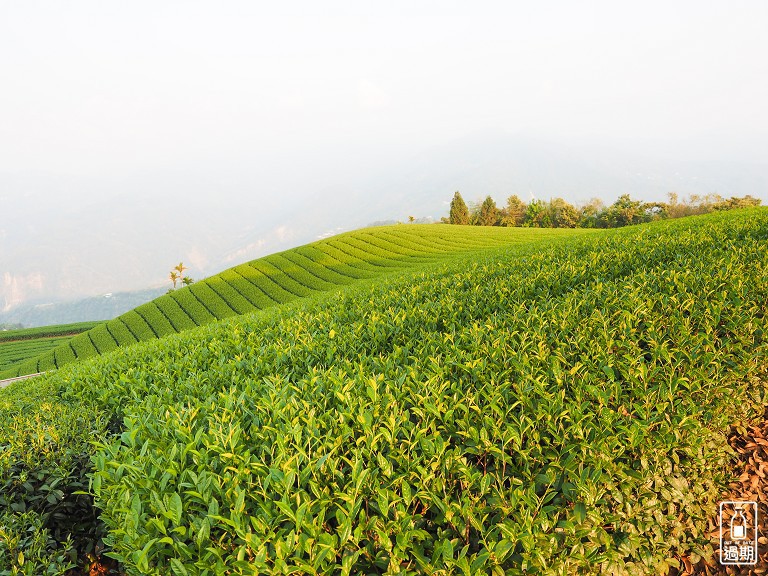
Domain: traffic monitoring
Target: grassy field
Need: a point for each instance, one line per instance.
(16, 346)
(276, 279)
(541, 407)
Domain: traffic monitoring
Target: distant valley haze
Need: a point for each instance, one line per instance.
(134, 136)
(94, 237)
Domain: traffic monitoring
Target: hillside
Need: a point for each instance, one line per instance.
(533, 407)
(89, 219)
(89, 309)
(16, 346)
(329, 264)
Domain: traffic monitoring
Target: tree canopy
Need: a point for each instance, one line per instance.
(459, 211)
(558, 213)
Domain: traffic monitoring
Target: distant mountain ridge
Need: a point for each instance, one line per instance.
(105, 307)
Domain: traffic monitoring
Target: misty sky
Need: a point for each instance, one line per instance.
(99, 88)
(241, 116)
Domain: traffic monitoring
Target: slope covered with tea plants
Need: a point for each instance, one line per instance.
(557, 408)
(17, 346)
(279, 278)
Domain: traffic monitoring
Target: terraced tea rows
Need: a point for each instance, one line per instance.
(279, 278)
(16, 346)
(525, 409)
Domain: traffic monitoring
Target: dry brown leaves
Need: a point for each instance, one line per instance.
(752, 485)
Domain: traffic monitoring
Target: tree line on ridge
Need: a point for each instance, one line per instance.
(558, 213)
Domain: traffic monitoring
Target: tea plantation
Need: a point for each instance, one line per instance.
(17, 346)
(543, 407)
(276, 279)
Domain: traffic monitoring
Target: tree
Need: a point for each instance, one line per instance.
(624, 212)
(589, 216)
(411, 219)
(514, 215)
(180, 268)
(735, 202)
(459, 211)
(538, 215)
(563, 214)
(489, 214)
(177, 274)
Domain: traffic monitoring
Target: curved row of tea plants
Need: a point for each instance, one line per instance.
(16, 346)
(513, 411)
(277, 279)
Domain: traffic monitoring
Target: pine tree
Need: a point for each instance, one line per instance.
(489, 213)
(459, 210)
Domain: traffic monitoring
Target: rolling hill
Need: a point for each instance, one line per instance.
(16, 346)
(540, 406)
(279, 278)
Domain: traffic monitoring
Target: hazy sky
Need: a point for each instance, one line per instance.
(108, 87)
(217, 132)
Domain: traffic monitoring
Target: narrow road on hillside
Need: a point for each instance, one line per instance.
(4, 383)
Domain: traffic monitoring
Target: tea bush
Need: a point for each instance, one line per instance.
(47, 517)
(277, 279)
(557, 411)
(543, 408)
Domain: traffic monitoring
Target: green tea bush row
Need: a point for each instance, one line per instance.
(275, 279)
(233, 298)
(382, 245)
(276, 276)
(212, 300)
(301, 275)
(523, 411)
(326, 273)
(45, 331)
(102, 339)
(271, 289)
(137, 325)
(249, 287)
(179, 318)
(340, 261)
(427, 244)
(192, 306)
(82, 346)
(16, 352)
(381, 257)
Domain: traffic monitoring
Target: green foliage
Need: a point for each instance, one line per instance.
(18, 346)
(537, 215)
(734, 202)
(27, 547)
(459, 212)
(555, 407)
(623, 212)
(489, 213)
(564, 215)
(279, 278)
(514, 214)
(47, 519)
(551, 412)
(558, 213)
(46, 331)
